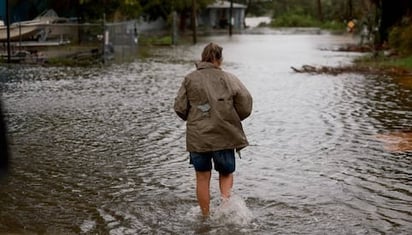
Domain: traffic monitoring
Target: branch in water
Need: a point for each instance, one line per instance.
(351, 69)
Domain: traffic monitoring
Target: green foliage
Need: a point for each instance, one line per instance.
(294, 20)
(328, 10)
(256, 7)
(404, 62)
(299, 19)
(325, 14)
(382, 61)
(400, 38)
(152, 9)
(131, 9)
(333, 25)
(291, 7)
(155, 41)
(94, 10)
(395, 37)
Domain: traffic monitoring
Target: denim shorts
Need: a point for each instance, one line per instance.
(223, 160)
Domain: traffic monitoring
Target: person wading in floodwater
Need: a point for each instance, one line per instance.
(213, 102)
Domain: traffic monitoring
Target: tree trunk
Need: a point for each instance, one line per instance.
(249, 2)
(320, 14)
(182, 22)
(350, 10)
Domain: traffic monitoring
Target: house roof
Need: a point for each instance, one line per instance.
(225, 4)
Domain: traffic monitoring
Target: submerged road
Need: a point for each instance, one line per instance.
(100, 151)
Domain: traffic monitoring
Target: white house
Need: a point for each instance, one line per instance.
(217, 15)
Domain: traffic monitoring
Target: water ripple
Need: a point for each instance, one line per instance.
(100, 150)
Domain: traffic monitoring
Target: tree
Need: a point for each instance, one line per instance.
(256, 7)
(94, 9)
(320, 14)
(350, 9)
(390, 12)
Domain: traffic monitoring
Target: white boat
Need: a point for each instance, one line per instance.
(35, 29)
(20, 31)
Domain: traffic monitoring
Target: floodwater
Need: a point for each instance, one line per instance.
(100, 150)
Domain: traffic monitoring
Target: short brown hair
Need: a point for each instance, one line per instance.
(212, 52)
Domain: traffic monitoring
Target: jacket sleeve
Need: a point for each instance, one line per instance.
(181, 105)
(242, 100)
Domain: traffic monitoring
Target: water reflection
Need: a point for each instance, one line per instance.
(397, 141)
(99, 150)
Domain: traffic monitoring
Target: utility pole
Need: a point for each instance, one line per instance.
(174, 28)
(194, 26)
(8, 31)
(230, 18)
(104, 38)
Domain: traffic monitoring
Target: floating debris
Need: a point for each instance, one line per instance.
(394, 71)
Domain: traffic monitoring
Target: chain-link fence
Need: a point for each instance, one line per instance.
(107, 41)
(117, 40)
(121, 40)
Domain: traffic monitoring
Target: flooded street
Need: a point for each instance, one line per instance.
(100, 150)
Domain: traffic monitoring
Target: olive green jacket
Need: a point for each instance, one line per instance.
(213, 103)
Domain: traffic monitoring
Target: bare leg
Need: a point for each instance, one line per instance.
(226, 184)
(202, 190)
